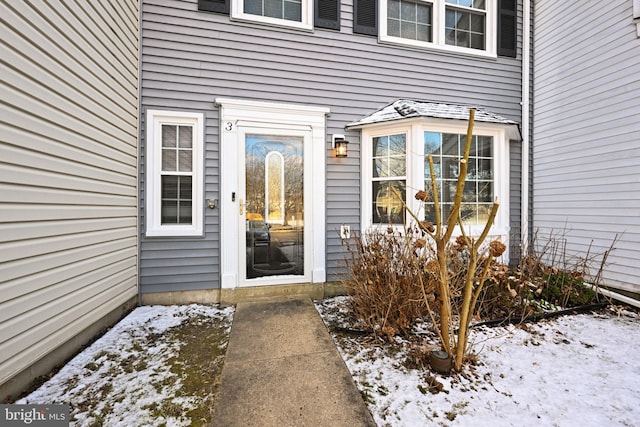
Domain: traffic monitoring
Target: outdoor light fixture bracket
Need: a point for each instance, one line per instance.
(339, 143)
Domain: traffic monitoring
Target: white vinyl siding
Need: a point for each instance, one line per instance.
(586, 133)
(68, 161)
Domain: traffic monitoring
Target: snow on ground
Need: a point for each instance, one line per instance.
(580, 370)
(122, 376)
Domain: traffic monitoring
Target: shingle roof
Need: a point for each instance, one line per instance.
(406, 108)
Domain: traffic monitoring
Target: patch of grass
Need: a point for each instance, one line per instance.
(140, 365)
(198, 364)
(566, 289)
(168, 381)
(383, 391)
(91, 366)
(101, 354)
(71, 383)
(189, 362)
(127, 364)
(105, 390)
(366, 396)
(457, 409)
(97, 421)
(167, 409)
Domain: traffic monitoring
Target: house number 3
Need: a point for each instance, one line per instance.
(228, 126)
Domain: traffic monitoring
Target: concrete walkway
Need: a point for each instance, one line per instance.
(283, 369)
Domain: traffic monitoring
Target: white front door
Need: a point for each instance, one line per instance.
(272, 193)
(272, 206)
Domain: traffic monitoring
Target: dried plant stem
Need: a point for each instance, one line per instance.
(442, 237)
(422, 286)
(470, 294)
(455, 344)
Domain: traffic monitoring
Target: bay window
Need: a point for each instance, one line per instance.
(395, 167)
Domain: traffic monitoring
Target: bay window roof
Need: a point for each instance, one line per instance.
(403, 109)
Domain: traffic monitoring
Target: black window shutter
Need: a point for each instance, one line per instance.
(327, 14)
(365, 17)
(507, 25)
(219, 6)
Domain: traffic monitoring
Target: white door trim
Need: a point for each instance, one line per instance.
(234, 112)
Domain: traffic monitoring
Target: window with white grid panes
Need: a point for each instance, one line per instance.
(453, 25)
(446, 150)
(174, 173)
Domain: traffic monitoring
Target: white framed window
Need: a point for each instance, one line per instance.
(174, 173)
(446, 150)
(395, 172)
(389, 177)
(464, 26)
(289, 13)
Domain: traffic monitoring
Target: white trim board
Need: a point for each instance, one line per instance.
(236, 113)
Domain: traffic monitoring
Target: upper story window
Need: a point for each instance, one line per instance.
(291, 10)
(480, 27)
(455, 25)
(293, 13)
(465, 23)
(410, 20)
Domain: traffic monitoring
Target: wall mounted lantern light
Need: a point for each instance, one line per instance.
(339, 143)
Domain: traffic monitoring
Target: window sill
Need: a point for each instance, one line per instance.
(272, 22)
(470, 230)
(426, 46)
(174, 231)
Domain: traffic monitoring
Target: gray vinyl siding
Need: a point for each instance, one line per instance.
(68, 165)
(587, 127)
(189, 58)
(515, 206)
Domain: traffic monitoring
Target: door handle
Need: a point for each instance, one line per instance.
(241, 207)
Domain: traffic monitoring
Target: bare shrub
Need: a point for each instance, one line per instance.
(384, 279)
(544, 279)
(396, 278)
